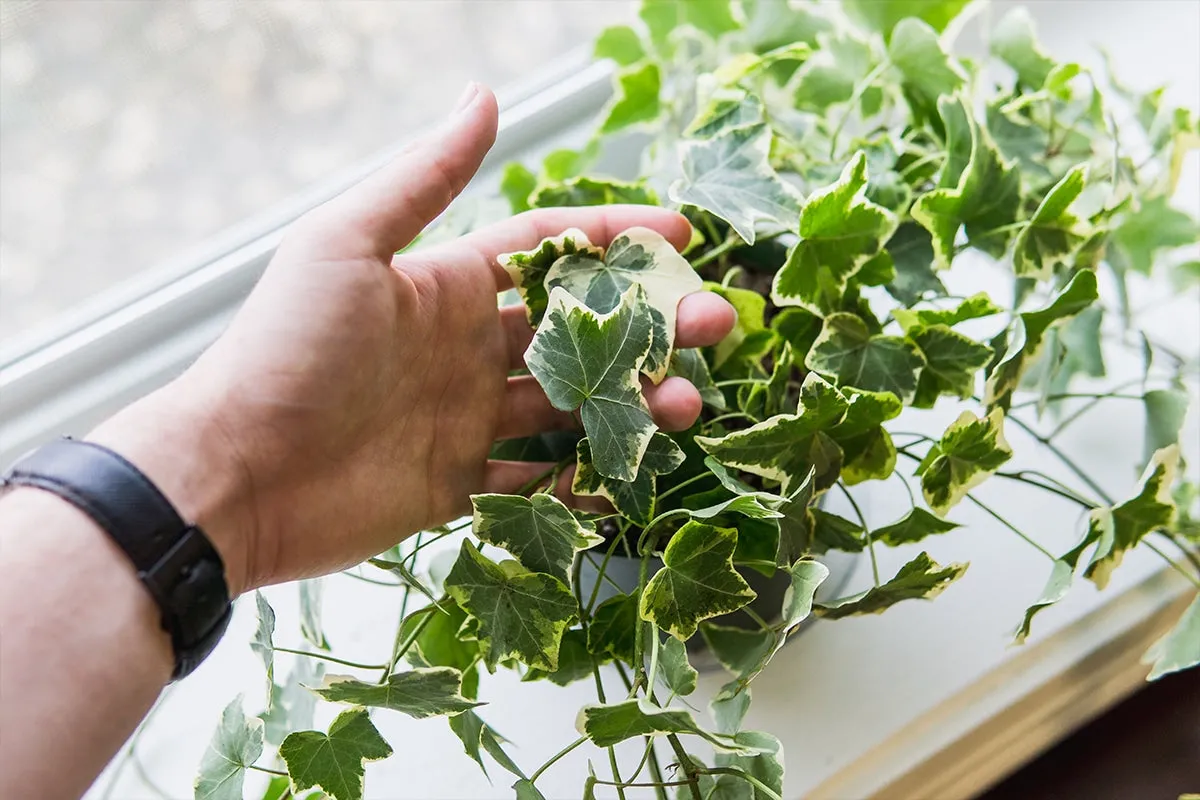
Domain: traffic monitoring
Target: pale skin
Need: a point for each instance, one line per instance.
(352, 401)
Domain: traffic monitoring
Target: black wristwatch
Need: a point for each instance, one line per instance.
(174, 560)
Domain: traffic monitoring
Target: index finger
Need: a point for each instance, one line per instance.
(525, 231)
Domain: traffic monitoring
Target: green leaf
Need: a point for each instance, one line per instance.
(806, 577)
(751, 308)
(1054, 233)
(711, 17)
(867, 449)
(527, 791)
(521, 614)
(677, 672)
(730, 176)
(919, 579)
(565, 163)
(584, 191)
(438, 643)
(729, 709)
(334, 761)
(292, 705)
(607, 725)
(984, 200)
(263, 643)
(589, 362)
(952, 361)
(311, 593)
(974, 307)
(725, 111)
(697, 581)
(538, 531)
(739, 650)
(831, 532)
(614, 628)
(419, 693)
(776, 23)
(517, 184)
(912, 527)
(840, 230)
(847, 352)
(620, 43)
(1028, 333)
(401, 570)
(528, 268)
(636, 98)
(1166, 410)
(884, 15)
(690, 364)
(1056, 589)
(1014, 41)
(1179, 649)
(638, 256)
(575, 662)
(634, 499)
(1120, 528)
(796, 524)
(786, 447)
(1154, 226)
(911, 249)
(970, 450)
(915, 51)
(832, 73)
(766, 766)
(754, 506)
(799, 327)
(476, 734)
(236, 744)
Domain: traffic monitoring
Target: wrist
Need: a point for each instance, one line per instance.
(179, 446)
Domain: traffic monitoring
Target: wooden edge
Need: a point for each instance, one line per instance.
(1011, 714)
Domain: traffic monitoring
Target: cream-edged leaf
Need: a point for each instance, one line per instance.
(849, 353)
(919, 579)
(419, 693)
(634, 499)
(528, 268)
(538, 531)
(607, 725)
(970, 450)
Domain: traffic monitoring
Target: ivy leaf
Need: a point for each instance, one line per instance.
(677, 672)
(419, 693)
(635, 99)
(848, 352)
(1014, 42)
(263, 642)
(970, 450)
(915, 51)
(840, 230)
(806, 577)
(1119, 529)
(527, 791)
(608, 725)
(919, 579)
(833, 71)
(236, 744)
(831, 532)
(750, 338)
(538, 531)
(796, 524)
(516, 184)
(1054, 233)
(754, 506)
(728, 710)
(1056, 589)
(912, 527)
(974, 307)
(799, 328)
(697, 580)
(528, 268)
(1179, 649)
(575, 662)
(589, 362)
(620, 43)
(634, 499)
(1028, 333)
(475, 735)
(776, 23)
(730, 176)
(292, 705)
(766, 767)
(638, 256)
(1166, 410)
(725, 111)
(401, 570)
(952, 361)
(885, 16)
(739, 650)
(614, 627)
(334, 761)
(867, 449)
(438, 643)
(521, 614)
(985, 198)
(911, 249)
(662, 17)
(311, 593)
(690, 364)
(1154, 226)
(785, 448)
(584, 191)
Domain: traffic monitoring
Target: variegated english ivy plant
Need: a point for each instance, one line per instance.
(841, 166)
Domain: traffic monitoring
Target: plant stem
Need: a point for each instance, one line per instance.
(1183, 548)
(1195, 581)
(862, 520)
(681, 484)
(732, 242)
(267, 770)
(1061, 492)
(548, 473)
(732, 415)
(403, 647)
(365, 579)
(1064, 458)
(746, 776)
(656, 770)
(1012, 527)
(740, 382)
(556, 757)
(601, 574)
(685, 764)
(644, 785)
(324, 657)
(1077, 396)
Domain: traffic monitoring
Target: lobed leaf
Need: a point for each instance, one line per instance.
(334, 761)
(919, 579)
(970, 450)
(538, 531)
(235, 745)
(634, 499)
(608, 725)
(912, 527)
(419, 693)
(1054, 233)
(849, 353)
(636, 98)
(528, 268)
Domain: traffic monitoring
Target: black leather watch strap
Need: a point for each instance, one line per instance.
(174, 560)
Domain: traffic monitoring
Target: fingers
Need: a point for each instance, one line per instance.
(387, 210)
(703, 319)
(517, 334)
(675, 405)
(507, 477)
(524, 231)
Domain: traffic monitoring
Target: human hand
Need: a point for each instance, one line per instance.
(356, 395)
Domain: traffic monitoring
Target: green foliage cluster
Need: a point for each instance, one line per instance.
(837, 164)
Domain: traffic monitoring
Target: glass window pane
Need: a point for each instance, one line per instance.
(132, 129)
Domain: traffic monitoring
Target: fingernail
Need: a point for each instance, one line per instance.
(468, 96)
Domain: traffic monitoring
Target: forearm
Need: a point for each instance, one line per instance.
(82, 651)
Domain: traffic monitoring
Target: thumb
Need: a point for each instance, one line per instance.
(389, 208)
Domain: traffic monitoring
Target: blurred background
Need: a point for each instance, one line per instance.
(133, 129)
